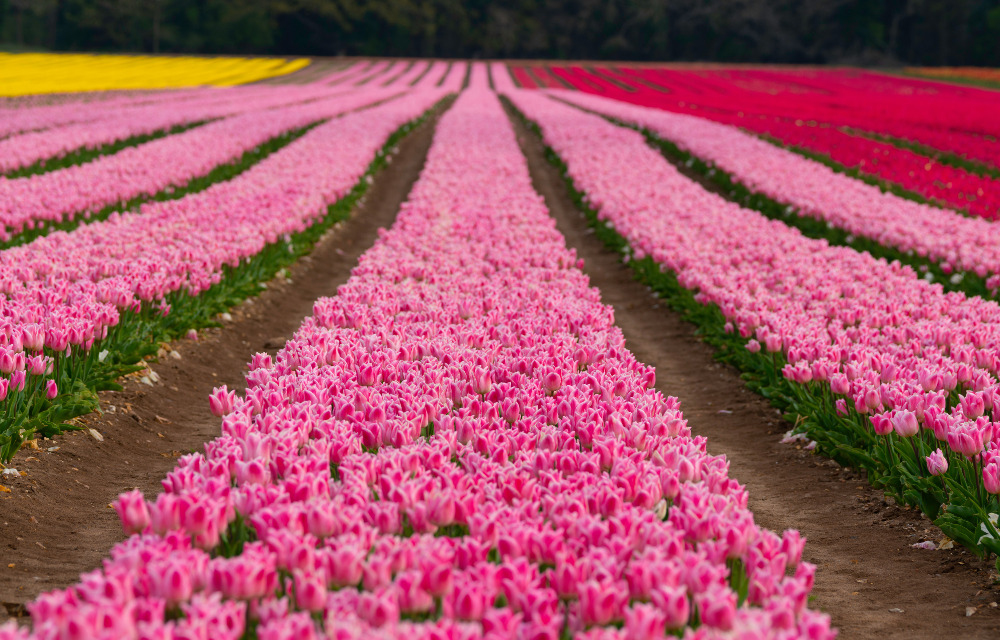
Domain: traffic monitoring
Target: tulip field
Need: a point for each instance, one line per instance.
(459, 443)
(38, 74)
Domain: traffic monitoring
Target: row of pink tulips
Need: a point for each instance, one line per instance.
(169, 162)
(64, 292)
(359, 72)
(182, 244)
(899, 366)
(403, 72)
(94, 106)
(813, 189)
(456, 446)
(25, 149)
(401, 77)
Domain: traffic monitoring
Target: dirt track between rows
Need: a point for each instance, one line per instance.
(56, 521)
(860, 544)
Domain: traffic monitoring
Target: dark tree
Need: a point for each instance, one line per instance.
(929, 32)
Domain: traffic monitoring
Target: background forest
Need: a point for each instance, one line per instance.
(876, 32)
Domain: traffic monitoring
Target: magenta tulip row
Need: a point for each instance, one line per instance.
(146, 169)
(889, 344)
(456, 446)
(957, 242)
(25, 149)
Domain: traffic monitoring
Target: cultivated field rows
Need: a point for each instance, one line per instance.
(459, 443)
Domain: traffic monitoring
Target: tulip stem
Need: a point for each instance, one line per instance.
(917, 457)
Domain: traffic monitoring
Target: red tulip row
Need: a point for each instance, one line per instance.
(823, 133)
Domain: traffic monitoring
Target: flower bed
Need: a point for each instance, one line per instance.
(35, 73)
(812, 189)
(81, 307)
(457, 445)
(83, 190)
(21, 151)
(908, 171)
(887, 372)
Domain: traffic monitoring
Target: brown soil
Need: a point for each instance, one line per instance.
(867, 569)
(56, 520)
(316, 69)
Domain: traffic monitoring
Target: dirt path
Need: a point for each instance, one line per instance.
(315, 70)
(861, 545)
(56, 521)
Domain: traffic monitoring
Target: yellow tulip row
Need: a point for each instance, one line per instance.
(32, 73)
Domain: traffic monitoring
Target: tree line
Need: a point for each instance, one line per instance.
(874, 32)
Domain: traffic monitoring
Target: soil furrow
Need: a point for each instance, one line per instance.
(869, 578)
(56, 521)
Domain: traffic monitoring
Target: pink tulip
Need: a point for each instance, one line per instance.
(551, 382)
(966, 439)
(882, 424)
(599, 603)
(221, 401)
(310, 591)
(905, 424)
(972, 405)
(718, 608)
(991, 478)
(132, 510)
(841, 406)
(937, 464)
(172, 583)
(645, 622)
(675, 604)
(839, 384)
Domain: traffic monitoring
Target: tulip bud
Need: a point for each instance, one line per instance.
(172, 583)
(51, 389)
(991, 478)
(972, 405)
(221, 401)
(882, 424)
(644, 621)
(132, 510)
(673, 601)
(792, 544)
(551, 382)
(841, 407)
(873, 400)
(310, 591)
(481, 381)
(937, 464)
(839, 384)
(718, 608)
(772, 343)
(905, 423)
